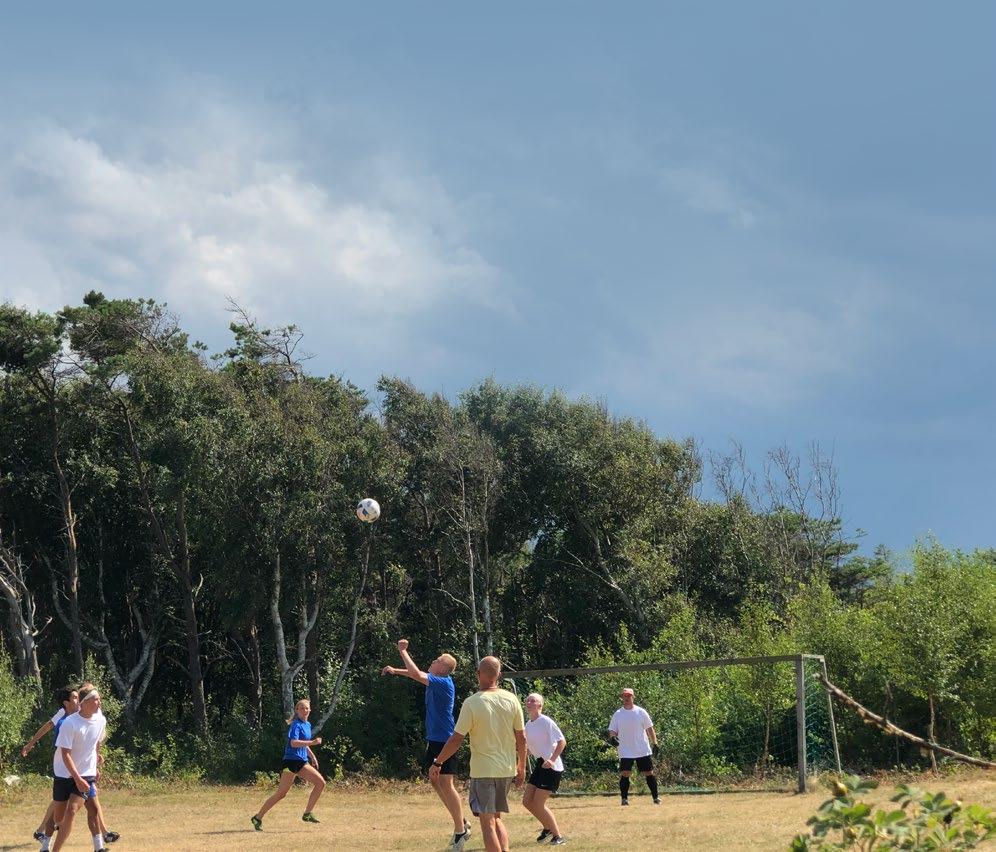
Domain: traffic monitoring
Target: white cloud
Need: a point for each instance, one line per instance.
(217, 208)
(757, 349)
(709, 191)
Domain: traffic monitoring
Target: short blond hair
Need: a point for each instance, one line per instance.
(449, 661)
(490, 666)
(537, 696)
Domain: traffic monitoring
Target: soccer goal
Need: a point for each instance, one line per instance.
(744, 723)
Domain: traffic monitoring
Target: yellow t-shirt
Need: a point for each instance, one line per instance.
(491, 719)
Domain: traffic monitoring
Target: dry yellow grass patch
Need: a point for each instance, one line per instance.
(215, 818)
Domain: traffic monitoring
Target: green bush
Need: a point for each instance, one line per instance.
(18, 701)
(923, 821)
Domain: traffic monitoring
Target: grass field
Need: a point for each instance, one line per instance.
(213, 818)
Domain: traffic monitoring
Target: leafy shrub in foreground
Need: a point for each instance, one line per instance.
(923, 821)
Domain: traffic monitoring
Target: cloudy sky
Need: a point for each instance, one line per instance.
(770, 222)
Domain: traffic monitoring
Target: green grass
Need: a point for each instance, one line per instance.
(409, 817)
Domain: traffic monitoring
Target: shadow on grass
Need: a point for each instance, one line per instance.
(246, 831)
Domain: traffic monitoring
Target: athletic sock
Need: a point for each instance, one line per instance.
(44, 843)
(652, 784)
(98, 842)
(624, 786)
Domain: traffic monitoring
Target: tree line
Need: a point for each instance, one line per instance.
(179, 524)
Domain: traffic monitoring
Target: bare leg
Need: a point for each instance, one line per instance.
(489, 831)
(443, 785)
(101, 822)
(286, 782)
(542, 812)
(66, 821)
(48, 824)
(528, 796)
(93, 816)
(502, 831)
(43, 825)
(309, 773)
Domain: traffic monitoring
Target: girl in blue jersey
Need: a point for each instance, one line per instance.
(299, 762)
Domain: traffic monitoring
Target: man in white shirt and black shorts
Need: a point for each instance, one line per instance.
(75, 764)
(632, 729)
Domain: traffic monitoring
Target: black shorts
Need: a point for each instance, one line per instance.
(643, 764)
(293, 764)
(63, 788)
(432, 749)
(545, 779)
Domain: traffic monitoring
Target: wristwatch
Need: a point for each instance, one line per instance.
(436, 763)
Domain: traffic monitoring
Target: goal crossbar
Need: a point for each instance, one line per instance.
(511, 674)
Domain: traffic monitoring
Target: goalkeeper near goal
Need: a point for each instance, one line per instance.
(631, 730)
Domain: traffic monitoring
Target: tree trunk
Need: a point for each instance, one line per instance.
(930, 730)
(306, 623)
(311, 669)
(72, 552)
(188, 602)
(20, 615)
(131, 684)
(179, 561)
(344, 666)
(469, 549)
(488, 631)
(256, 673)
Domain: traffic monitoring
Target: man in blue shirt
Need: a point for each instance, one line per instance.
(439, 723)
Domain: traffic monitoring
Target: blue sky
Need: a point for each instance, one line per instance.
(771, 222)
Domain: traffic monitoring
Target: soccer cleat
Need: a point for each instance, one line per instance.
(625, 801)
(111, 837)
(39, 836)
(559, 840)
(257, 823)
(310, 817)
(657, 801)
(543, 835)
(459, 841)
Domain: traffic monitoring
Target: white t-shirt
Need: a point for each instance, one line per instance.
(542, 736)
(630, 726)
(81, 736)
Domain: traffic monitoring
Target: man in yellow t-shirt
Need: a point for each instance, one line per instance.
(492, 717)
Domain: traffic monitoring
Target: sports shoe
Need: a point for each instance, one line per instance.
(310, 817)
(466, 827)
(625, 801)
(559, 840)
(39, 836)
(460, 840)
(543, 835)
(257, 823)
(111, 837)
(657, 801)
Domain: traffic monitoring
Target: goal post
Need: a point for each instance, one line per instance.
(730, 723)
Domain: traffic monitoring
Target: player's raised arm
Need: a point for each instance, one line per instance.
(410, 670)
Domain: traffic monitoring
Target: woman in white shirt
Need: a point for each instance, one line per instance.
(546, 743)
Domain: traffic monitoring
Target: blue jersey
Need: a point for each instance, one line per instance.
(298, 730)
(439, 695)
(57, 725)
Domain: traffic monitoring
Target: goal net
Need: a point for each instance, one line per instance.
(741, 723)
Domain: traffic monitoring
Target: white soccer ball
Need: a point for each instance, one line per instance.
(368, 510)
